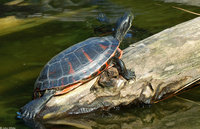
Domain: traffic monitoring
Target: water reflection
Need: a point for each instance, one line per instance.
(173, 113)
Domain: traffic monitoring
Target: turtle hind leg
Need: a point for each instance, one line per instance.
(127, 74)
(30, 110)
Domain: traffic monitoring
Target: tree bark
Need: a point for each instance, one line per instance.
(165, 64)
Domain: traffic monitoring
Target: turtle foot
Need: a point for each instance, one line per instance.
(29, 111)
(129, 75)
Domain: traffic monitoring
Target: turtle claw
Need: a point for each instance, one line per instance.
(29, 115)
(33, 115)
(129, 75)
(19, 115)
(28, 111)
(24, 114)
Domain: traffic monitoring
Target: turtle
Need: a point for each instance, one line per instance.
(79, 64)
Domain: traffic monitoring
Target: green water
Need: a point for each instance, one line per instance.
(32, 33)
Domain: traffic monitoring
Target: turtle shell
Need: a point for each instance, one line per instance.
(79, 62)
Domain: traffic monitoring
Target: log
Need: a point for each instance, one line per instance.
(165, 64)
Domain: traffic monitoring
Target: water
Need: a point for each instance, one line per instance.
(32, 33)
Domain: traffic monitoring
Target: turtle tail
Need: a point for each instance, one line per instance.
(123, 25)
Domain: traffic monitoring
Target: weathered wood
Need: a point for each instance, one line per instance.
(164, 63)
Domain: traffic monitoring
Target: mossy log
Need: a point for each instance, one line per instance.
(165, 64)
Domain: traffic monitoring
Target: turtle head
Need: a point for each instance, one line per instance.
(123, 25)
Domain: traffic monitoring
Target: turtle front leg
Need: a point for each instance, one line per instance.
(127, 74)
(30, 110)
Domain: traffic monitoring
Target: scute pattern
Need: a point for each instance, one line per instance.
(43, 75)
(77, 62)
(55, 71)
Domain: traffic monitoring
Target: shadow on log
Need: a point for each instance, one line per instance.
(164, 64)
